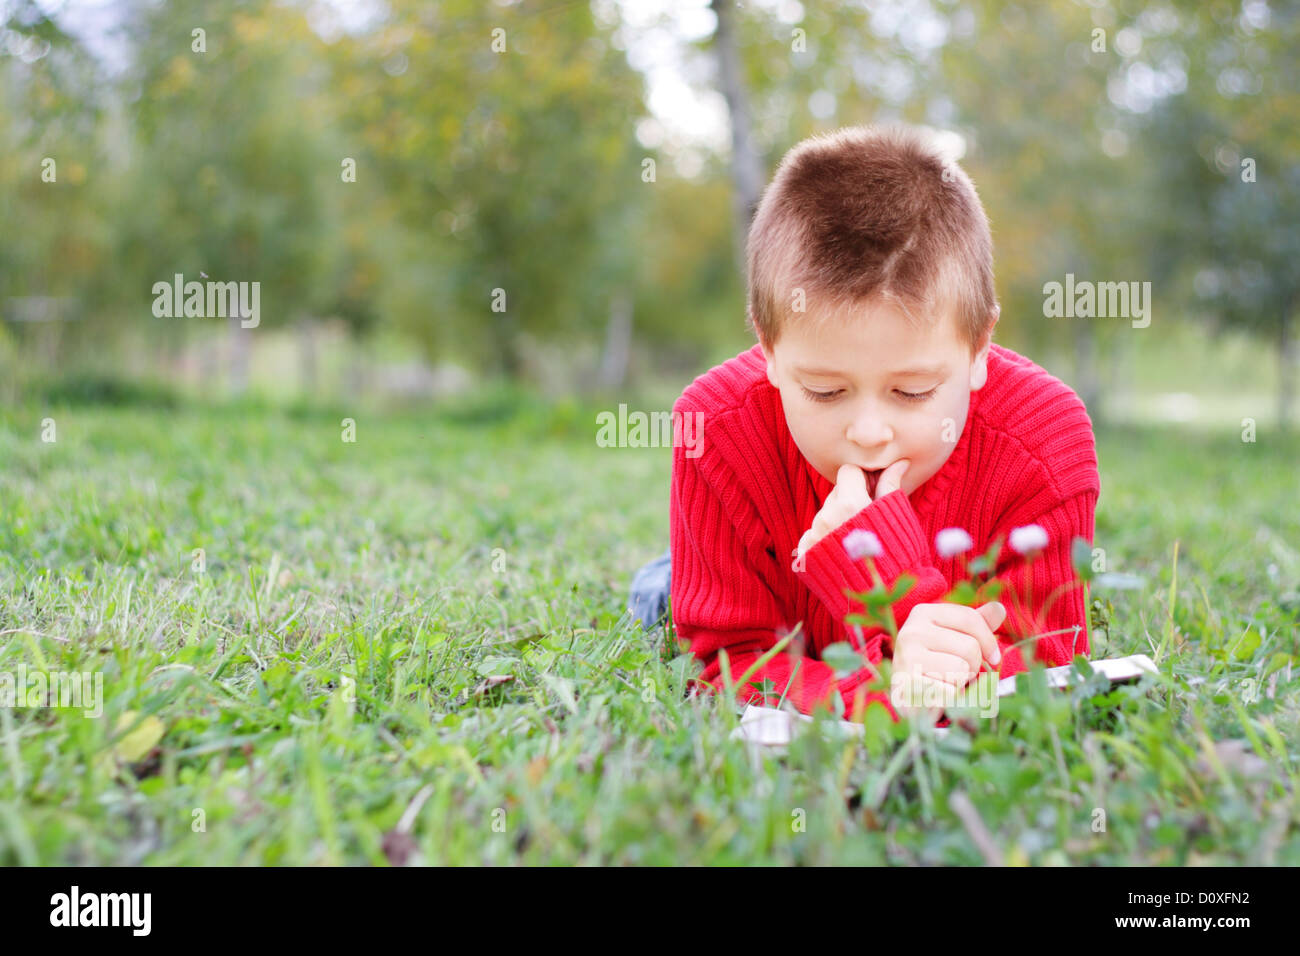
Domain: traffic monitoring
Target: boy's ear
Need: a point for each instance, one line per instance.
(979, 369)
(771, 365)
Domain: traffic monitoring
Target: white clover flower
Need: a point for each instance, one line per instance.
(952, 541)
(1027, 538)
(862, 544)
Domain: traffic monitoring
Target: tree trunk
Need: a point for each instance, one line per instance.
(357, 377)
(1286, 364)
(1118, 387)
(241, 343)
(746, 169)
(618, 340)
(308, 365)
(509, 361)
(1085, 369)
(205, 344)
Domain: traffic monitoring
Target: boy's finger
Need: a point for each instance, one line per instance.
(994, 613)
(959, 617)
(946, 668)
(851, 478)
(947, 640)
(891, 479)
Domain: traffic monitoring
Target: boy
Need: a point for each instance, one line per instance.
(875, 401)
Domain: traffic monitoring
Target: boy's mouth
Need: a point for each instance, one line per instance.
(872, 478)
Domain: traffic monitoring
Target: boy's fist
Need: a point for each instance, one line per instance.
(945, 642)
(848, 497)
(940, 647)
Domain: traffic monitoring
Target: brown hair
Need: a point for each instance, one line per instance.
(871, 212)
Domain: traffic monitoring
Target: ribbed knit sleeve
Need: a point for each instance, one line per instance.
(829, 571)
(724, 588)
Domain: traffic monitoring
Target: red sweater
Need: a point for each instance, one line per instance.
(744, 497)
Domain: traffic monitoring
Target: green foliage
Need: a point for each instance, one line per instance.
(106, 390)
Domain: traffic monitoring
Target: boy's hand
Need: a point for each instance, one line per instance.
(848, 497)
(945, 642)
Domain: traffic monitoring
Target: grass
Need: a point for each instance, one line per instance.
(411, 648)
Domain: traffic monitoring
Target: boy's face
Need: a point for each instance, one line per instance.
(845, 387)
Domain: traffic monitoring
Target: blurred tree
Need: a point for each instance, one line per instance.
(691, 298)
(1227, 198)
(508, 135)
(55, 238)
(1031, 87)
(746, 169)
(231, 161)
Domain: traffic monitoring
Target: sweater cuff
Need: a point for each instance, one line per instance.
(828, 571)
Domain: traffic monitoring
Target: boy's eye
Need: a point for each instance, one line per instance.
(905, 396)
(820, 396)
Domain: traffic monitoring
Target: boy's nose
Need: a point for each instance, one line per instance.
(869, 431)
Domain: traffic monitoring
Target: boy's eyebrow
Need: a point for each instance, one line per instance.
(940, 368)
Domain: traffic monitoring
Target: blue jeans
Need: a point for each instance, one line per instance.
(648, 600)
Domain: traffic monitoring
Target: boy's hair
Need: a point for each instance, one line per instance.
(871, 212)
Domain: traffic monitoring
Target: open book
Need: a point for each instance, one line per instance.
(771, 727)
